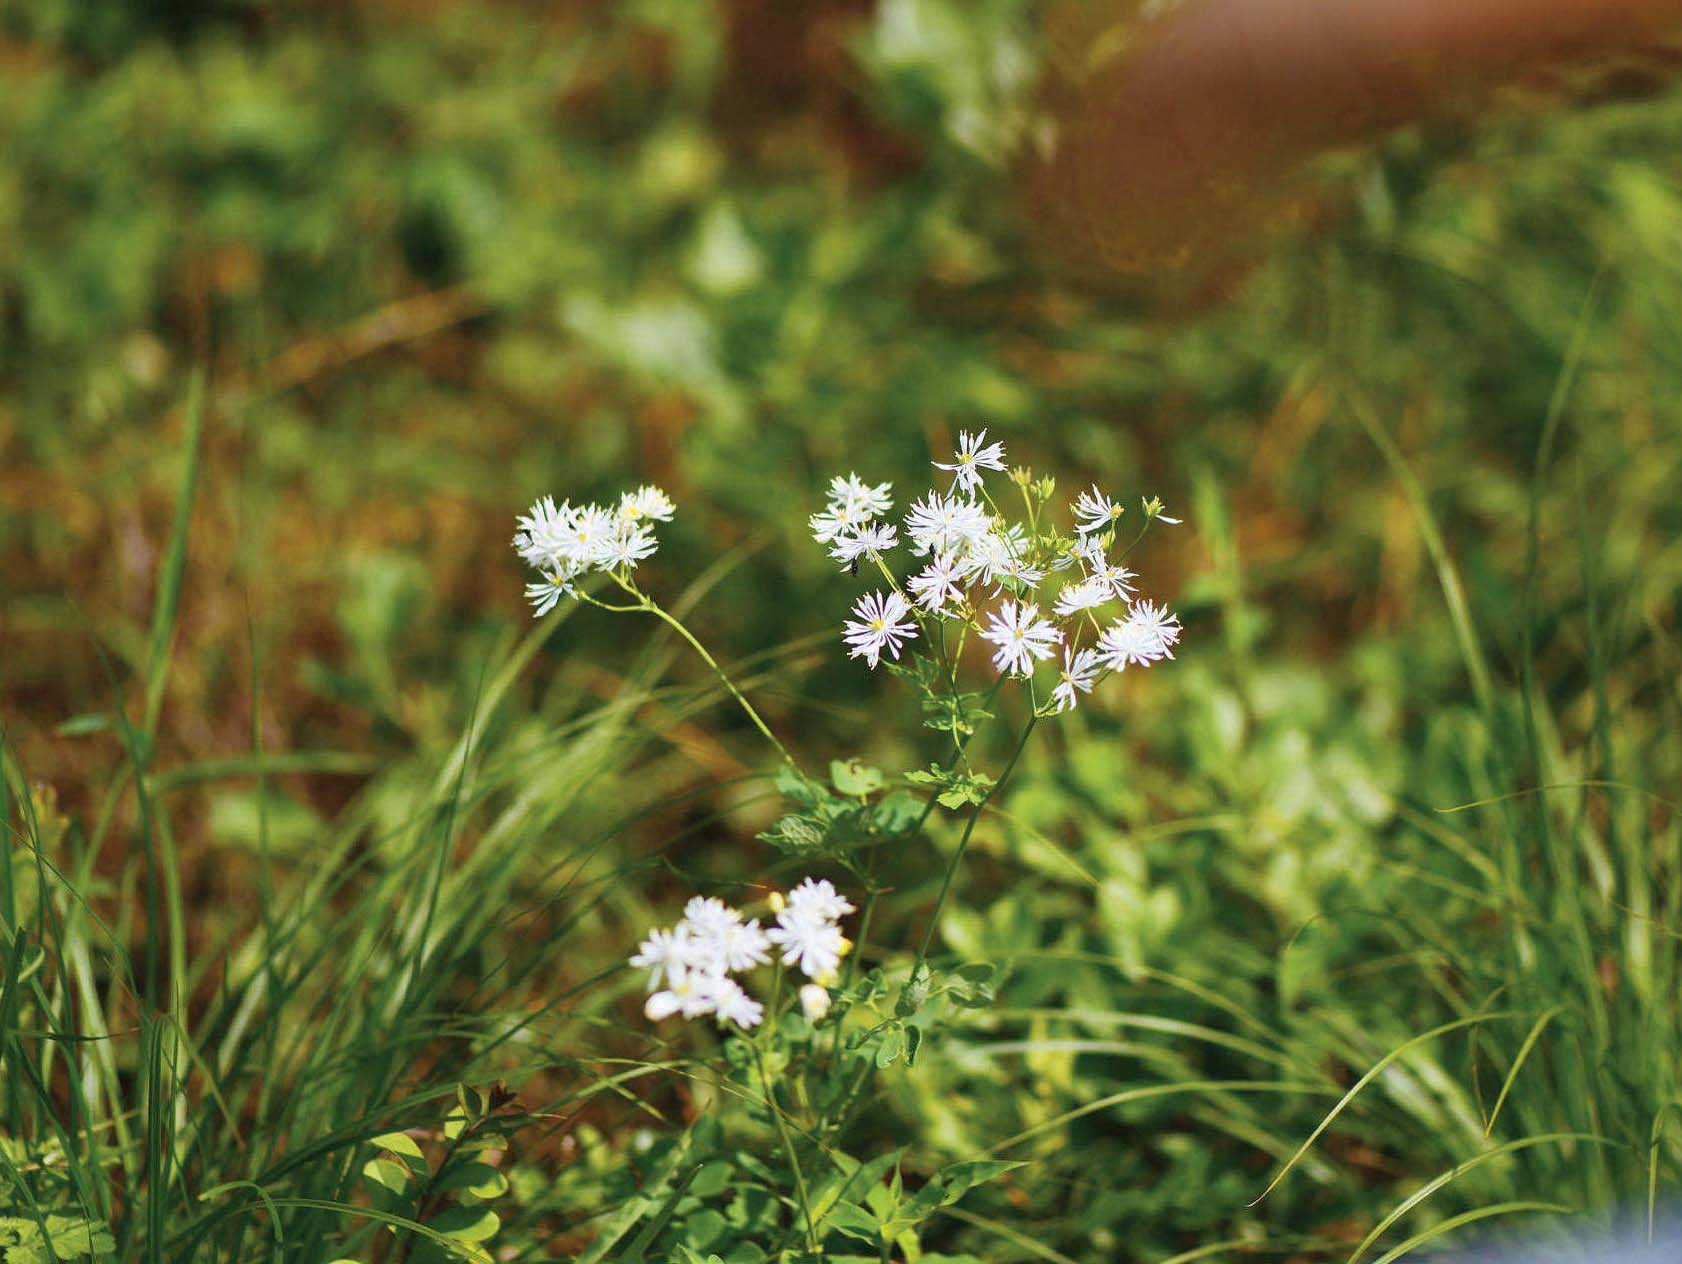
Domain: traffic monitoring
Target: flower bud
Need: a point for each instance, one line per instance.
(814, 1002)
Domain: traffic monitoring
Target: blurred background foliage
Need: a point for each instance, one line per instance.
(441, 258)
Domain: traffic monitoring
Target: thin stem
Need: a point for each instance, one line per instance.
(654, 608)
(782, 1124)
(969, 830)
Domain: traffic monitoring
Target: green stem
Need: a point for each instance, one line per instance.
(654, 608)
(969, 830)
(777, 1117)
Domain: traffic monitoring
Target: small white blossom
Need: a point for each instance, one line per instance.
(545, 595)
(590, 532)
(1145, 636)
(1079, 674)
(946, 524)
(864, 500)
(1001, 555)
(1021, 635)
(707, 915)
(629, 544)
(817, 897)
(870, 540)
(813, 944)
(1159, 622)
(837, 520)
(878, 623)
(730, 947)
(940, 581)
(1096, 511)
(733, 1005)
(665, 953)
(647, 502)
(544, 533)
(1083, 595)
(697, 994)
(974, 454)
(1118, 579)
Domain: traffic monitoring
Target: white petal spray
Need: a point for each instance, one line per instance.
(974, 454)
(690, 964)
(1021, 636)
(879, 623)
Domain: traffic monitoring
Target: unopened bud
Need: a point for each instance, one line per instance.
(814, 1002)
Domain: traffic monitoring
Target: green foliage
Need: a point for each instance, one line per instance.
(860, 812)
(51, 1238)
(335, 835)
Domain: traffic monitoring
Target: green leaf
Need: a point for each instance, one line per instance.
(954, 787)
(479, 1179)
(795, 834)
(712, 1180)
(796, 785)
(894, 813)
(855, 1222)
(467, 1224)
(960, 1178)
(854, 778)
(891, 1047)
(67, 1238)
(400, 1143)
(388, 1174)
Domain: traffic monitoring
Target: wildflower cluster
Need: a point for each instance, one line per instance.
(689, 965)
(983, 573)
(566, 541)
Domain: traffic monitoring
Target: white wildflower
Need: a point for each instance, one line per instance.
(1002, 554)
(974, 454)
(545, 595)
(818, 898)
(707, 916)
(1083, 595)
(1096, 511)
(740, 946)
(940, 581)
(590, 532)
(946, 524)
(1145, 636)
(837, 520)
(647, 502)
(864, 500)
(629, 543)
(1159, 622)
(544, 533)
(1079, 674)
(1118, 579)
(1021, 635)
(879, 622)
(733, 1005)
(812, 943)
(665, 953)
(871, 540)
